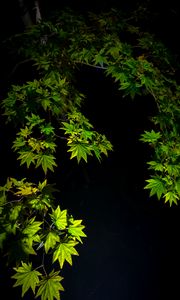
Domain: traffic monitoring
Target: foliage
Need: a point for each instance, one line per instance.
(47, 111)
(31, 224)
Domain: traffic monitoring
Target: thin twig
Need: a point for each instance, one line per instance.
(90, 65)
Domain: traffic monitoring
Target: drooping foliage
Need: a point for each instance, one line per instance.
(49, 108)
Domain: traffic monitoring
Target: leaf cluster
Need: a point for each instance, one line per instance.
(31, 224)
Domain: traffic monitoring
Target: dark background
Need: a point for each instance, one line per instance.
(132, 249)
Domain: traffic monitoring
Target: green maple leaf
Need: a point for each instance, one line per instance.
(27, 245)
(19, 143)
(171, 198)
(68, 127)
(80, 150)
(27, 157)
(42, 185)
(156, 166)
(32, 227)
(50, 286)
(47, 129)
(14, 212)
(59, 218)
(26, 277)
(51, 239)
(46, 103)
(25, 132)
(150, 136)
(64, 252)
(76, 229)
(157, 187)
(34, 120)
(46, 161)
(100, 59)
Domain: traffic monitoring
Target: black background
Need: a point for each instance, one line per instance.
(132, 246)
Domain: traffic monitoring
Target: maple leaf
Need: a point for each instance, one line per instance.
(59, 218)
(47, 129)
(171, 197)
(46, 161)
(51, 239)
(32, 227)
(76, 229)
(26, 190)
(80, 150)
(100, 59)
(42, 185)
(50, 286)
(27, 157)
(26, 277)
(64, 252)
(150, 136)
(25, 132)
(14, 212)
(157, 187)
(27, 245)
(46, 103)
(156, 166)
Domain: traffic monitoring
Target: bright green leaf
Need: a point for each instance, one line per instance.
(80, 150)
(64, 252)
(32, 227)
(150, 136)
(171, 197)
(26, 277)
(27, 157)
(50, 286)
(51, 239)
(156, 186)
(14, 212)
(76, 229)
(46, 161)
(59, 218)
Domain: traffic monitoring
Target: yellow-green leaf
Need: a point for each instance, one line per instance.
(46, 162)
(32, 227)
(26, 277)
(50, 286)
(51, 239)
(64, 252)
(76, 230)
(59, 218)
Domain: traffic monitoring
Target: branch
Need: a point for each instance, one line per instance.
(90, 65)
(37, 11)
